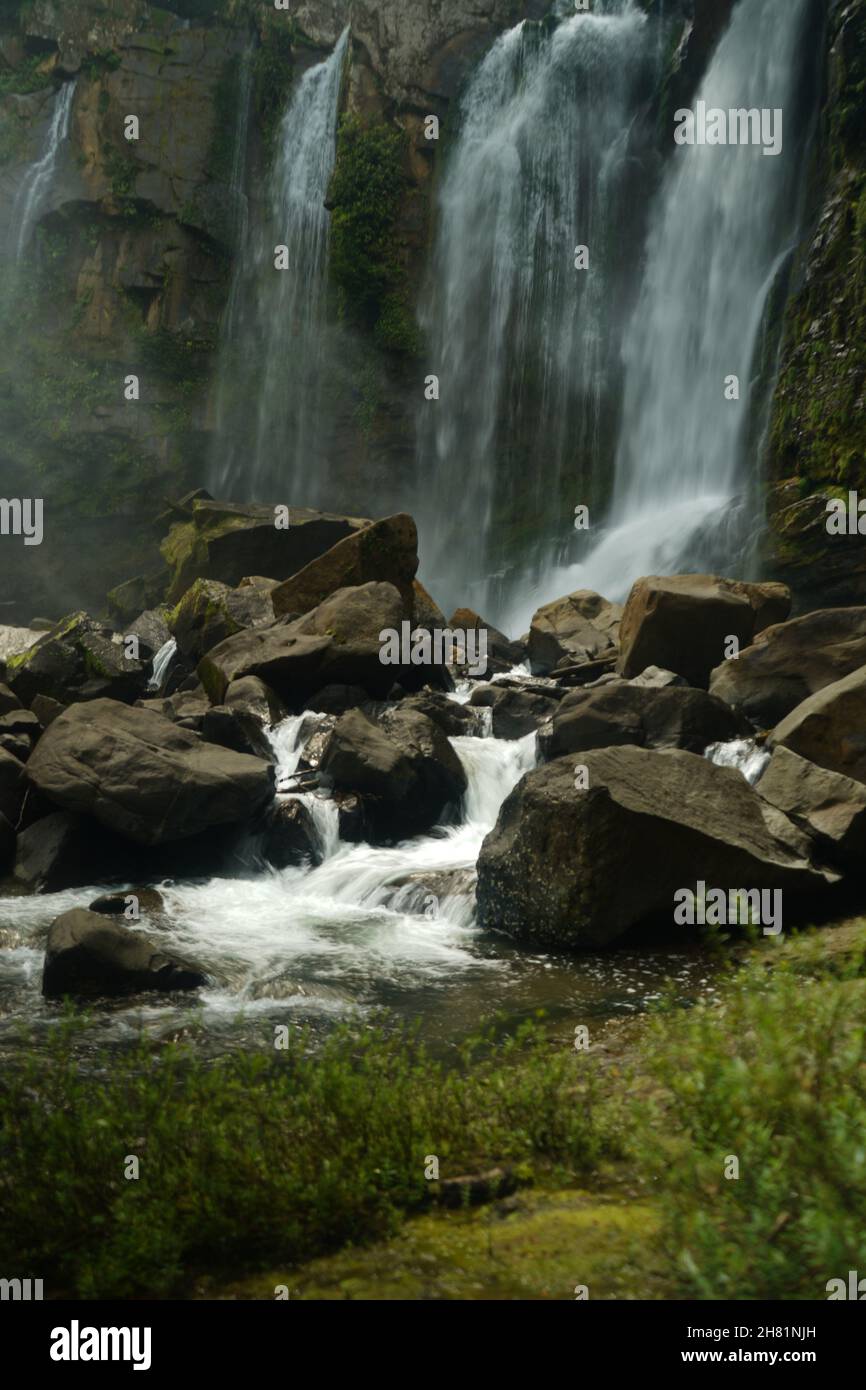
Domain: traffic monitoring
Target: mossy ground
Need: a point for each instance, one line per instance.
(533, 1245)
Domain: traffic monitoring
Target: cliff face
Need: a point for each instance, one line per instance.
(135, 244)
(817, 441)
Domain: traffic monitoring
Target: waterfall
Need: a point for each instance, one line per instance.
(743, 754)
(269, 438)
(31, 196)
(161, 662)
(724, 222)
(518, 335)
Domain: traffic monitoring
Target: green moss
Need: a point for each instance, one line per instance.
(538, 1245)
(273, 73)
(365, 198)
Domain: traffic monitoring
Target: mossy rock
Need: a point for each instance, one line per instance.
(76, 660)
(228, 541)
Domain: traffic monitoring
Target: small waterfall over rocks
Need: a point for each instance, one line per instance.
(271, 433)
(31, 195)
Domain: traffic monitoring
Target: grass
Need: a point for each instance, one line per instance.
(263, 1157)
(311, 1162)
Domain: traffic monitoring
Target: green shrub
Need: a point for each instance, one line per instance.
(775, 1076)
(259, 1158)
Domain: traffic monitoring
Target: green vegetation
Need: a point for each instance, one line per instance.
(260, 1158)
(273, 72)
(255, 1163)
(31, 76)
(776, 1076)
(366, 192)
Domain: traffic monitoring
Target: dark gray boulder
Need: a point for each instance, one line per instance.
(580, 867)
(89, 955)
(142, 776)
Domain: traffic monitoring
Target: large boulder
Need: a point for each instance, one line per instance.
(649, 716)
(405, 770)
(830, 807)
(683, 622)
(580, 627)
(79, 659)
(142, 776)
(514, 713)
(88, 955)
(339, 643)
(791, 661)
(210, 611)
(228, 541)
(830, 727)
(385, 552)
(580, 868)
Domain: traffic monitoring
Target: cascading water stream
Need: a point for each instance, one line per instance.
(30, 198)
(161, 662)
(270, 440)
(724, 222)
(517, 333)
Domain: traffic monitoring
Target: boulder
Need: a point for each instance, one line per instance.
(580, 868)
(140, 775)
(405, 770)
(61, 851)
(426, 613)
(136, 596)
(791, 661)
(683, 622)
(8, 700)
(209, 612)
(252, 696)
(12, 786)
(502, 653)
(46, 709)
(385, 552)
(77, 660)
(87, 955)
(234, 728)
(649, 716)
(336, 699)
(828, 806)
(151, 629)
(289, 838)
(830, 727)
(572, 630)
(148, 901)
(514, 713)
(227, 541)
(339, 643)
(452, 717)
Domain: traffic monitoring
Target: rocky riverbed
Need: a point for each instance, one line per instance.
(288, 828)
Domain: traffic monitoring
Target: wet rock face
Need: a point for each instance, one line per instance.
(579, 868)
(87, 955)
(819, 410)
